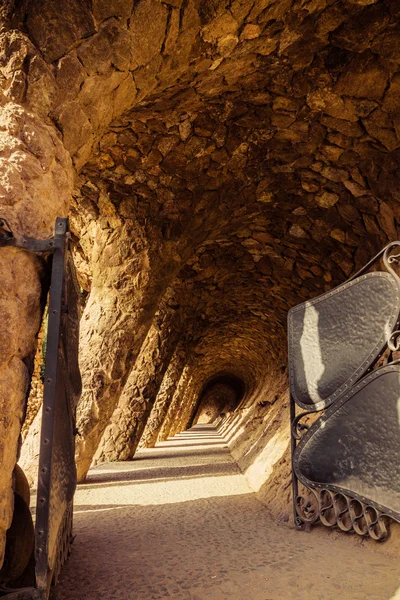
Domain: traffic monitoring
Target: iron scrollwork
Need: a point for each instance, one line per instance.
(341, 368)
(335, 509)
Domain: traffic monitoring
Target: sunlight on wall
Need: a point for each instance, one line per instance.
(231, 428)
(396, 595)
(311, 352)
(263, 466)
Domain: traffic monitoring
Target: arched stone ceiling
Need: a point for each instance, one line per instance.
(241, 155)
(257, 167)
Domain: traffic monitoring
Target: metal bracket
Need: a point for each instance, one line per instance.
(8, 238)
(57, 473)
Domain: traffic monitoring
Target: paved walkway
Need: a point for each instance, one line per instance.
(180, 522)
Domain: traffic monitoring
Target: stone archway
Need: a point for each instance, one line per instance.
(221, 395)
(220, 162)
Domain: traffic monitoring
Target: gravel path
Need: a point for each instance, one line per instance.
(180, 522)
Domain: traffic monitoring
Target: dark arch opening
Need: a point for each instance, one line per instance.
(232, 383)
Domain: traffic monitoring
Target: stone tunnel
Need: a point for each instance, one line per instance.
(219, 162)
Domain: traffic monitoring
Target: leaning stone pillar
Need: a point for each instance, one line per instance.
(123, 434)
(175, 407)
(163, 400)
(123, 299)
(187, 406)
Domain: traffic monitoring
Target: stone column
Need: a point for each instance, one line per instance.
(129, 419)
(163, 400)
(128, 280)
(175, 407)
(36, 179)
(187, 406)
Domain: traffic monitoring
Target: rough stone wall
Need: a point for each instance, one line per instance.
(35, 185)
(35, 398)
(259, 439)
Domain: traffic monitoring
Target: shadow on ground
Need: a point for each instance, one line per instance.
(202, 535)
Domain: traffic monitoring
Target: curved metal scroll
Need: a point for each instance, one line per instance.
(335, 338)
(354, 448)
(349, 459)
(336, 509)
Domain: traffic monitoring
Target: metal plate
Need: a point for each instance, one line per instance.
(62, 386)
(354, 447)
(335, 338)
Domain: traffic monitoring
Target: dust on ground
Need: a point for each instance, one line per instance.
(179, 521)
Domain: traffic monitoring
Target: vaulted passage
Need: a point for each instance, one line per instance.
(219, 162)
(181, 522)
(219, 396)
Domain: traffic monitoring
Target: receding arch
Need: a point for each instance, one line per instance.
(222, 393)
